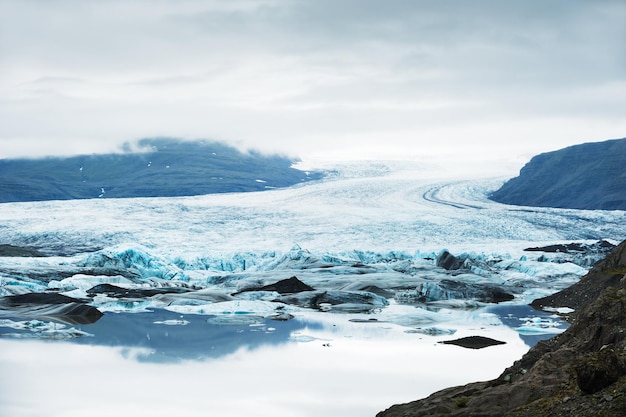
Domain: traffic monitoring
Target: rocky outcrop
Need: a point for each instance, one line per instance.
(606, 274)
(580, 372)
(473, 342)
(19, 251)
(587, 176)
(285, 286)
(448, 261)
(601, 246)
(49, 305)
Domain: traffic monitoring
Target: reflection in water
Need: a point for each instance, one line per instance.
(309, 366)
(165, 336)
(532, 325)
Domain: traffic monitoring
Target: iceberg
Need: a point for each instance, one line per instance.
(137, 260)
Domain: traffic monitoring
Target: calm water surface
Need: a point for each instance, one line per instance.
(164, 364)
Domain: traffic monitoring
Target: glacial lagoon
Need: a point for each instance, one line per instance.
(202, 343)
(163, 363)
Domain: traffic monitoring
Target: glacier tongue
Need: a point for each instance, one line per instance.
(367, 240)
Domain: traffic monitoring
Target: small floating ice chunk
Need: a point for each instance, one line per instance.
(303, 338)
(540, 325)
(173, 322)
(234, 308)
(280, 316)
(32, 325)
(559, 310)
(235, 319)
(38, 329)
(71, 333)
(432, 331)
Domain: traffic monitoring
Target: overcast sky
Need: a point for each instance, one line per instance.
(485, 79)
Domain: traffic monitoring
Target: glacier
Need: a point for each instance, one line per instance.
(378, 251)
(365, 234)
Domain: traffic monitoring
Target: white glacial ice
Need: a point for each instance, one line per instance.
(369, 227)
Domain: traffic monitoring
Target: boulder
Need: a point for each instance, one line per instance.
(285, 286)
(474, 342)
(448, 261)
(598, 370)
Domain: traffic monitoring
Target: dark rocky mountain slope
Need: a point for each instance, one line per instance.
(166, 168)
(588, 176)
(581, 372)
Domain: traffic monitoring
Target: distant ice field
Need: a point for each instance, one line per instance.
(361, 208)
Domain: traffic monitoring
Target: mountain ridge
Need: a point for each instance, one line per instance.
(588, 176)
(165, 167)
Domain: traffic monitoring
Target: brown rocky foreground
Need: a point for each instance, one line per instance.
(581, 372)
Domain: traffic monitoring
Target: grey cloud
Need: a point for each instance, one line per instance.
(267, 72)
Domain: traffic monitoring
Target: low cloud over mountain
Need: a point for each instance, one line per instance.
(164, 168)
